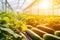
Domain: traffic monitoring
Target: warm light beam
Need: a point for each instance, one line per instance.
(45, 5)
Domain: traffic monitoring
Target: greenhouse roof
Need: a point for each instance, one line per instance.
(33, 6)
(18, 4)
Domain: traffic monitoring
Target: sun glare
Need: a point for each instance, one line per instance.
(45, 5)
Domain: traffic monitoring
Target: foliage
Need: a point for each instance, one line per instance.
(10, 22)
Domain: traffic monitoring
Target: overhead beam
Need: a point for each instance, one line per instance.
(32, 4)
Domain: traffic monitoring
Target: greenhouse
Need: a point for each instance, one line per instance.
(29, 19)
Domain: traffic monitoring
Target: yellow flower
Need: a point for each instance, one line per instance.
(17, 23)
(23, 28)
(0, 18)
(6, 19)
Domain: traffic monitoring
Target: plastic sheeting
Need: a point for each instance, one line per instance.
(18, 4)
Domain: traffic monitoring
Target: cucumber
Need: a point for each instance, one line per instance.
(33, 35)
(46, 29)
(28, 38)
(39, 32)
(8, 34)
(57, 33)
(56, 27)
(50, 37)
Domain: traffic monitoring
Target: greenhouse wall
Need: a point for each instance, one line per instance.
(53, 10)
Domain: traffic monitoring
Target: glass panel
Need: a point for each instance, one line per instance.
(22, 4)
(0, 6)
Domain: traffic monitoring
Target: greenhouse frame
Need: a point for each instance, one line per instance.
(29, 19)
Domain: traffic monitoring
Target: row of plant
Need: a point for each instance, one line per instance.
(9, 25)
(28, 27)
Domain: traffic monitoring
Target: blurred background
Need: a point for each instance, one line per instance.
(47, 7)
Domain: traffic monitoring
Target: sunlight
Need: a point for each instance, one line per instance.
(45, 5)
